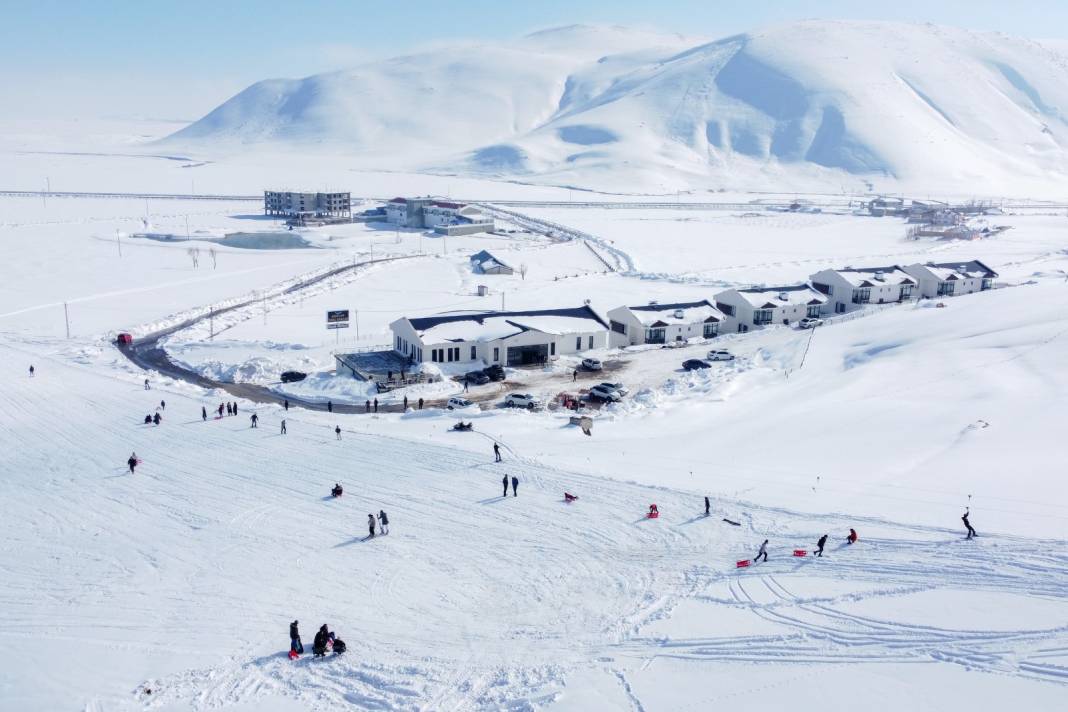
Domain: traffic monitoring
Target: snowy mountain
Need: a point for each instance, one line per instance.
(818, 100)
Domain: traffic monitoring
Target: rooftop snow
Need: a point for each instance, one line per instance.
(869, 276)
(973, 269)
(691, 312)
(490, 326)
(759, 297)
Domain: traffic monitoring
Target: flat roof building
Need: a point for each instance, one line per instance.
(293, 204)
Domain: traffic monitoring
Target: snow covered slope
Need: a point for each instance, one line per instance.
(825, 101)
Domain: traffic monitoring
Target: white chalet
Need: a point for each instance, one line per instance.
(946, 279)
(656, 323)
(759, 306)
(514, 338)
(851, 288)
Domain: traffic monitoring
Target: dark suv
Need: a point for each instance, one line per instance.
(494, 372)
(293, 376)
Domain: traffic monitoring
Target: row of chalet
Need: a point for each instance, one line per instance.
(520, 338)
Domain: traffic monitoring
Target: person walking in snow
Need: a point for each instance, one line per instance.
(31, 370)
(967, 524)
(156, 419)
(255, 420)
(146, 384)
(405, 404)
(376, 405)
(330, 406)
(852, 538)
(822, 542)
(708, 507)
(574, 375)
(319, 644)
(283, 426)
(371, 525)
(235, 407)
(229, 410)
(132, 462)
(337, 431)
(763, 552)
(295, 646)
(504, 481)
(465, 384)
(203, 413)
(496, 452)
(221, 407)
(367, 406)
(285, 404)
(420, 404)
(515, 485)
(383, 522)
(163, 405)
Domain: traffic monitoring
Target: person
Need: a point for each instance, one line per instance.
(852, 538)
(235, 407)
(156, 418)
(31, 370)
(574, 375)
(376, 405)
(295, 645)
(337, 431)
(330, 406)
(255, 419)
(708, 507)
(221, 407)
(496, 452)
(283, 426)
(148, 420)
(406, 404)
(132, 462)
(822, 542)
(367, 406)
(203, 413)
(763, 552)
(568, 497)
(163, 405)
(285, 404)
(654, 513)
(420, 404)
(971, 530)
(146, 384)
(383, 522)
(229, 410)
(504, 481)
(389, 375)
(465, 384)
(515, 485)
(336, 491)
(371, 525)
(339, 645)
(319, 644)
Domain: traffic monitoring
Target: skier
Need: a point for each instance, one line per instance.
(822, 542)
(156, 418)
(515, 485)
(163, 405)
(971, 530)
(504, 481)
(383, 522)
(229, 410)
(146, 384)
(319, 644)
(330, 406)
(285, 404)
(337, 431)
(295, 646)
(203, 413)
(31, 370)
(420, 404)
(283, 426)
(852, 538)
(132, 462)
(371, 525)
(763, 552)
(336, 491)
(255, 419)
(496, 452)
(708, 507)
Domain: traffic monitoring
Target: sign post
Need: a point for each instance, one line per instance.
(337, 319)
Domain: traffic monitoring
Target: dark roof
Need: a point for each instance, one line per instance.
(399, 200)
(970, 266)
(792, 288)
(444, 204)
(482, 256)
(428, 322)
(673, 307)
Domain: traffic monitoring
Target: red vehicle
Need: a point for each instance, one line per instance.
(124, 338)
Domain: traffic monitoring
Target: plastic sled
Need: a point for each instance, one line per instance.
(800, 552)
(743, 564)
(293, 655)
(653, 515)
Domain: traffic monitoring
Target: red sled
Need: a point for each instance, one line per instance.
(743, 564)
(293, 655)
(653, 515)
(800, 552)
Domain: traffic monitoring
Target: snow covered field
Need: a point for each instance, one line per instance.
(182, 578)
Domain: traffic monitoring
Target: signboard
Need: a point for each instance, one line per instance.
(337, 316)
(337, 326)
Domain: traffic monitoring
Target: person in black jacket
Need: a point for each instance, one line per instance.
(319, 644)
(156, 419)
(371, 525)
(203, 413)
(819, 546)
(496, 452)
(383, 522)
(708, 507)
(504, 481)
(971, 531)
(515, 485)
(132, 462)
(294, 639)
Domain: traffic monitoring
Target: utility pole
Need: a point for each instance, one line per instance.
(66, 318)
(118, 242)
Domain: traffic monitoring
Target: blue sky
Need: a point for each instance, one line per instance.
(179, 59)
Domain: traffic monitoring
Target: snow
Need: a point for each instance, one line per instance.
(777, 296)
(869, 276)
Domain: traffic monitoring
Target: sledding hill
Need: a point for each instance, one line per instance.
(815, 100)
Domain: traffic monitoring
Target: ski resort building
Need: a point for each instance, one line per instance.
(757, 307)
(947, 279)
(656, 323)
(514, 338)
(853, 287)
(483, 262)
(290, 204)
(443, 217)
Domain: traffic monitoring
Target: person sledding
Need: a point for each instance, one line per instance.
(967, 524)
(852, 538)
(339, 645)
(321, 639)
(336, 491)
(654, 513)
(569, 498)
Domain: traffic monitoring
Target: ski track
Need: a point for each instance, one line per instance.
(210, 510)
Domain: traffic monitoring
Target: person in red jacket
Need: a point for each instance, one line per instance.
(852, 538)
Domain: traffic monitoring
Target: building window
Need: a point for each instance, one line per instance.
(578, 343)
(945, 289)
(986, 284)
(591, 343)
(398, 346)
(618, 327)
(761, 317)
(906, 291)
(655, 336)
(449, 354)
(711, 329)
(824, 288)
(552, 348)
(725, 308)
(813, 311)
(473, 352)
(862, 295)
(496, 353)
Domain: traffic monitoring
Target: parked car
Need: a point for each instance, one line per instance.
(521, 400)
(693, 364)
(617, 387)
(720, 355)
(810, 322)
(476, 377)
(495, 372)
(605, 394)
(592, 364)
(293, 376)
(457, 403)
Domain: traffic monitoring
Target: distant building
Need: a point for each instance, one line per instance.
(509, 338)
(757, 307)
(444, 217)
(947, 279)
(851, 288)
(660, 323)
(483, 262)
(292, 204)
